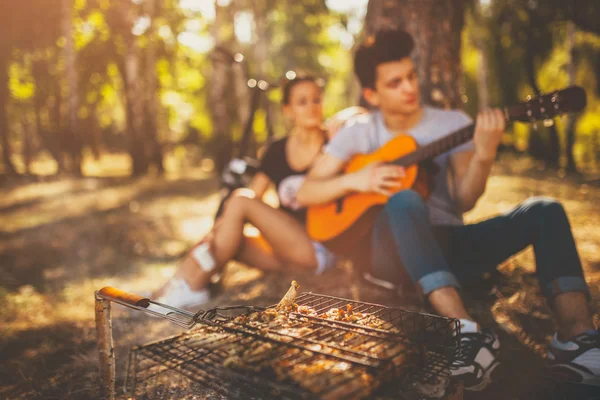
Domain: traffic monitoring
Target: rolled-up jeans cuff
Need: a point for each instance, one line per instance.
(566, 284)
(437, 280)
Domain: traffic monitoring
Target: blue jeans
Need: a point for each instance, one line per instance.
(442, 256)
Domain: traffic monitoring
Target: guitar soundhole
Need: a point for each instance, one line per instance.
(339, 205)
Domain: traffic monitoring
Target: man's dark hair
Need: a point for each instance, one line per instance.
(385, 46)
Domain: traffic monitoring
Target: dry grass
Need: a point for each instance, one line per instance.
(60, 241)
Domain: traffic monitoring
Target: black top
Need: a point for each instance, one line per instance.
(287, 180)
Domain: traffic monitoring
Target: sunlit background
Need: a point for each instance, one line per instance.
(148, 67)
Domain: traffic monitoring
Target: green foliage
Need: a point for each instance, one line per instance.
(21, 85)
(524, 43)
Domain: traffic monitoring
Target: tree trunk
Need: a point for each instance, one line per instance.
(135, 107)
(75, 142)
(242, 93)
(50, 141)
(95, 132)
(129, 128)
(9, 167)
(260, 60)
(436, 26)
(223, 144)
(120, 18)
(551, 154)
(59, 133)
(483, 91)
(151, 90)
(507, 93)
(570, 125)
(27, 144)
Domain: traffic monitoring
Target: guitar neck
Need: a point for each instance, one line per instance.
(447, 143)
(437, 147)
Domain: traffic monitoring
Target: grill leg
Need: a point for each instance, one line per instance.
(105, 349)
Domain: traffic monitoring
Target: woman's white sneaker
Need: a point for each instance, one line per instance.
(178, 294)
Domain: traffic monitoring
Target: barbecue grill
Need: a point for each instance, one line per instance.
(398, 354)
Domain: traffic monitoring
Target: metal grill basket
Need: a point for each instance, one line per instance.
(384, 352)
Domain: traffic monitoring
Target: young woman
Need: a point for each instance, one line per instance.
(283, 243)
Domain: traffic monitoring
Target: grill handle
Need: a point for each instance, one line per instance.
(123, 297)
(177, 316)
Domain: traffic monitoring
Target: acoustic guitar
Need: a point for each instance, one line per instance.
(341, 223)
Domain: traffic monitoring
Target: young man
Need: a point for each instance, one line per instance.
(429, 240)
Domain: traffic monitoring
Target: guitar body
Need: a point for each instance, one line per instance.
(328, 221)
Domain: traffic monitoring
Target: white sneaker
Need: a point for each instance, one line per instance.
(478, 356)
(577, 360)
(178, 294)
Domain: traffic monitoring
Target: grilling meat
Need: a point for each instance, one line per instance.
(326, 359)
(290, 297)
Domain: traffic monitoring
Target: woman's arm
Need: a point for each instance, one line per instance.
(256, 188)
(259, 184)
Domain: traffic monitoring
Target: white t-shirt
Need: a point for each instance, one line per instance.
(367, 133)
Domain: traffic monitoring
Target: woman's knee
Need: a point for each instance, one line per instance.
(406, 201)
(237, 204)
(301, 258)
(306, 260)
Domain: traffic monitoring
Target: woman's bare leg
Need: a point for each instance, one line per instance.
(285, 236)
(283, 242)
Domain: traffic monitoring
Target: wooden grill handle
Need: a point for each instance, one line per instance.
(115, 294)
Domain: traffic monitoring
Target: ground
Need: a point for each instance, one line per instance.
(61, 240)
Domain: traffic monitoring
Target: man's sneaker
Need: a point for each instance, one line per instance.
(477, 359)
(577, 360)
(178, 294)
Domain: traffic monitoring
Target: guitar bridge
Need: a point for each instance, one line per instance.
(339, 204)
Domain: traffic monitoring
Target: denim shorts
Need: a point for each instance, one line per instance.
(325, 258)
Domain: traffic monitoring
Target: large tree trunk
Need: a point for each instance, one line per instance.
(506, 93)
(483, 91)
(122, 67)
(436, 26)
(550, 154)
(135, 107)
(260, 58)
(9, 167)
(570, 126)
(49, 137)
(75, 142)
(151, 90)
(57, 126)
(121, 18)
(218, 102)
(242, 98)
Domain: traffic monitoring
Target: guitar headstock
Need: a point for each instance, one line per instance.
(570, 100)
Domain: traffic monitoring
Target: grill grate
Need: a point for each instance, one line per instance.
(244, 358)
